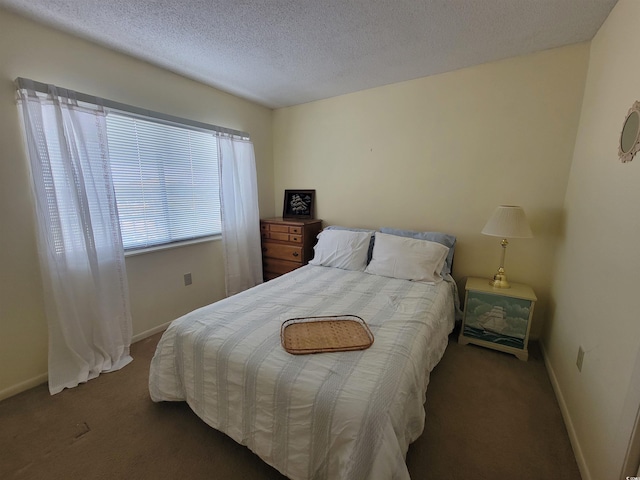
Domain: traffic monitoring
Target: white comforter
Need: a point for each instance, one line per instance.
(349, 415)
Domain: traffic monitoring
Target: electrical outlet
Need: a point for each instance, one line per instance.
(580, 358)
(187, 279)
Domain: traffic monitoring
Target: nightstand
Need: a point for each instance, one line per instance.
(498, 318)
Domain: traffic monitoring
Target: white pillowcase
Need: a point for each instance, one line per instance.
(342, 249)
(407, 258)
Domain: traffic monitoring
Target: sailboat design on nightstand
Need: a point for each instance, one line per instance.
(497, 318)
(500, 320)
(494, 320)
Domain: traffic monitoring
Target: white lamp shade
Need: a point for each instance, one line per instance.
(508, 221)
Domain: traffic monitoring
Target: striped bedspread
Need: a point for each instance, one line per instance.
(348, 415)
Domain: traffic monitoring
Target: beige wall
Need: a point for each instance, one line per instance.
(598, 267)
(436, 153)
(156, 279)
(440, 153)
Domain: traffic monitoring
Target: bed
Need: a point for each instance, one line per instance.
(346, 415)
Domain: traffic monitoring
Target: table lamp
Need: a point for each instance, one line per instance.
(507, 221)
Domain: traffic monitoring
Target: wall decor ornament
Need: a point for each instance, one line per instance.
(298, 204)
(629, 143)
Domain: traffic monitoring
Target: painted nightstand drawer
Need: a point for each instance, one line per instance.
(497, 318)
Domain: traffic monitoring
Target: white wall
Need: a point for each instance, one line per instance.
(156, 279)
(440, 153)
(598, 259)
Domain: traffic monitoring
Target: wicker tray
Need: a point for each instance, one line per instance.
(338, 333)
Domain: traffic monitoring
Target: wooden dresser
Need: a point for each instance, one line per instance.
(287, 244)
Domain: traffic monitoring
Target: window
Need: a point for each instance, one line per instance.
(165, 169)
(166, 180)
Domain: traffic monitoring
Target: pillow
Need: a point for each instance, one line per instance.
(407, 258)
(342, 249)
(370, 252)
(443, 238)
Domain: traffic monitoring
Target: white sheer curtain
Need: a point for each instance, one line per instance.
(79, 243)
(240, 215)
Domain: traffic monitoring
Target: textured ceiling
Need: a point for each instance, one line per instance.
(285, 52)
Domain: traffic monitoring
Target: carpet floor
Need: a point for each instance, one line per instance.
(489, 416)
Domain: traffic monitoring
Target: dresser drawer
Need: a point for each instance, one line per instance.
(281, 237)
(281, 233)
(279, 267)
(282, 251)
(279, 228)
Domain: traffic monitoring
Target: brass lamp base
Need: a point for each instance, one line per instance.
(500, 280)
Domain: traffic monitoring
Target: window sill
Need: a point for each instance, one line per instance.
(168, 246)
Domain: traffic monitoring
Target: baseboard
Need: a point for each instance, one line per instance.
(22, 386)
(148, 333)
(575, 444)
(42, 378)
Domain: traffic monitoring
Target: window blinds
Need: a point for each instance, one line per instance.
(166, 180)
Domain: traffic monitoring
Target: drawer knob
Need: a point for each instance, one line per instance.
(295, 254)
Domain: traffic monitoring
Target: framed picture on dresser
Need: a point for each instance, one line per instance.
(298, 203)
